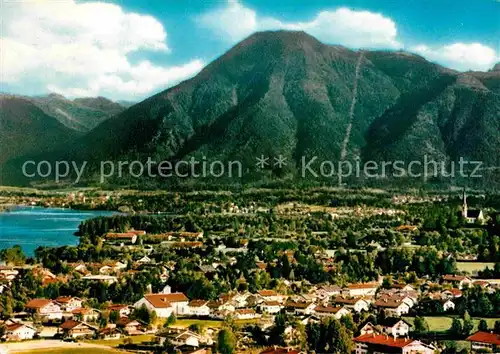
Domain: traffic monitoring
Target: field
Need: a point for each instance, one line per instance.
(51, 346)
(117, 342)
(203, 323)
(473, 267)
(443, 323)
(71, 351)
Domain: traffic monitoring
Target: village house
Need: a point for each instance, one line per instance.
(69, 303)
(76, 329)
(129, 326)
(109, 333)
(355, 304)
(392, 308)
(47, 309)
(327, 311)
(121, 238)
(278, 350)
(382, 343)
(113, 267)
(183, 338)
(220, 308)
(451, 294)
(395, 327)
(459, 281)
(299, 308)
(242, 299)
(270, 307)
(324, 293)
(370, 328)
(361, 289)
(484, 342)
(245, 314)
(164, 304)
(447, 305)
(270, 295)
(106, 279)
(402, 287)
(79, 268)
(123, 310)
(18, 331)
(144, 260)
(177, 236)
(45, 275)
(410, 298)
(85, 315)
(198, 308)
(8, 273)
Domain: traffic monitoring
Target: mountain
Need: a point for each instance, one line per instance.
(285, 93)
(81, 114)
(27, 130)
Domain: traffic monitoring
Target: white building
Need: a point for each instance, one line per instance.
(19, 331)
(361, 289)
(198, 308)
(382, 343)
(69, 303)
(448, 305)
(327, 311)
(355, 304)
(270, 295)
(270, 307)
(164, 304)
(245, 314)
(299, 308)
(393, 308)
(395, 327)
(47, 309)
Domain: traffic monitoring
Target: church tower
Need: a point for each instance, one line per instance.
(464, 205)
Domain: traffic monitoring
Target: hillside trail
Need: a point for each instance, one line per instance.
(347, 137)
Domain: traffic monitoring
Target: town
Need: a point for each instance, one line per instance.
(261, 271)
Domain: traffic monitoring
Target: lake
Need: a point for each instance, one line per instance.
(31, 227)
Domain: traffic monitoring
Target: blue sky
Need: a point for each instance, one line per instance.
(130, 49)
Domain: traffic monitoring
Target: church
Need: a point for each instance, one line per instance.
(472, 216)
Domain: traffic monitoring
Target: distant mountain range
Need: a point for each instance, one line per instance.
(286, 93)
(31, 125)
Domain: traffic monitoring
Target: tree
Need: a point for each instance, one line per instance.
(483, 326)
(456, 327)
(170, 320)
(496, 327)
(114, 316)
(226, 341)
(13, 255)
(144, 315)
(420, 325)
(468, 324)
(195, 327)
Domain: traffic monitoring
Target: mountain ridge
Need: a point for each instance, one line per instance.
(286, 93)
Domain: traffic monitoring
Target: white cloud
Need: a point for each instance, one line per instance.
(81, 49)
(358, 29)
(460, 56)
(232, 22)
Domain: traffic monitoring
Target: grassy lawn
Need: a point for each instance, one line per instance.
(203, 323)
(473, 267)
(72, 351)
(116, 342)
(443, 323)
(184, 323)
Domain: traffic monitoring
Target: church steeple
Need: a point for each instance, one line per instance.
(464, 205)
